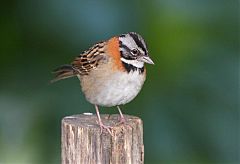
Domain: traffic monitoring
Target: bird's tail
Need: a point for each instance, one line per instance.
(63, 72)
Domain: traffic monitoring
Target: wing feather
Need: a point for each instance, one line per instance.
(89, 59)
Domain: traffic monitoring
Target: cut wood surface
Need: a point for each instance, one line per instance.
(83, 143)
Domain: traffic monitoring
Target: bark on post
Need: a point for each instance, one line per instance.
(82, 142)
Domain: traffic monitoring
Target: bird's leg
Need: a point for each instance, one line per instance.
(122, 119)
(102, 126)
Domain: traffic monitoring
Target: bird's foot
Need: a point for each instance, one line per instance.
(122, 120)
(108, 128)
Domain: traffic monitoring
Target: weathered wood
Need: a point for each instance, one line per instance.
(83, 143)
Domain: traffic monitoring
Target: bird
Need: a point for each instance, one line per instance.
(111, 72)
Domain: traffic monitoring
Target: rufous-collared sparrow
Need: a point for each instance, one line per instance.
(111, 72)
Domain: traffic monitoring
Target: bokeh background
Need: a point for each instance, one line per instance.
(189, 103)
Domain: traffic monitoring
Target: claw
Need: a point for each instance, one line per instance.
(102, 126)
(122, 119)
(108, 128)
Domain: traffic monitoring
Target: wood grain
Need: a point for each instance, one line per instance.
(83, 143)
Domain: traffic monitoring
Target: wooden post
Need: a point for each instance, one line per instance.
(82, 142)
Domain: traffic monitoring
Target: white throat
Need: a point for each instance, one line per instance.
(135, 63)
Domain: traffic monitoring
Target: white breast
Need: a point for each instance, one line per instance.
(117, 89)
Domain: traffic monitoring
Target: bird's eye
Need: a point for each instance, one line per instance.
(135, 51)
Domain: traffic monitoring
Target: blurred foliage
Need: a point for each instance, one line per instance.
(189, 103)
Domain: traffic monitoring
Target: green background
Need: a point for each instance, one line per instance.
(190, 100)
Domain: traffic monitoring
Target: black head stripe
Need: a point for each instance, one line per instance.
(138, 41)
(124, 46)
(122, 35)
(126, 52)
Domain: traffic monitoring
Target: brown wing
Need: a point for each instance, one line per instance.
(89, 59)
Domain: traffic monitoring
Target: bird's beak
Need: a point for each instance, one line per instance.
(146, 59)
